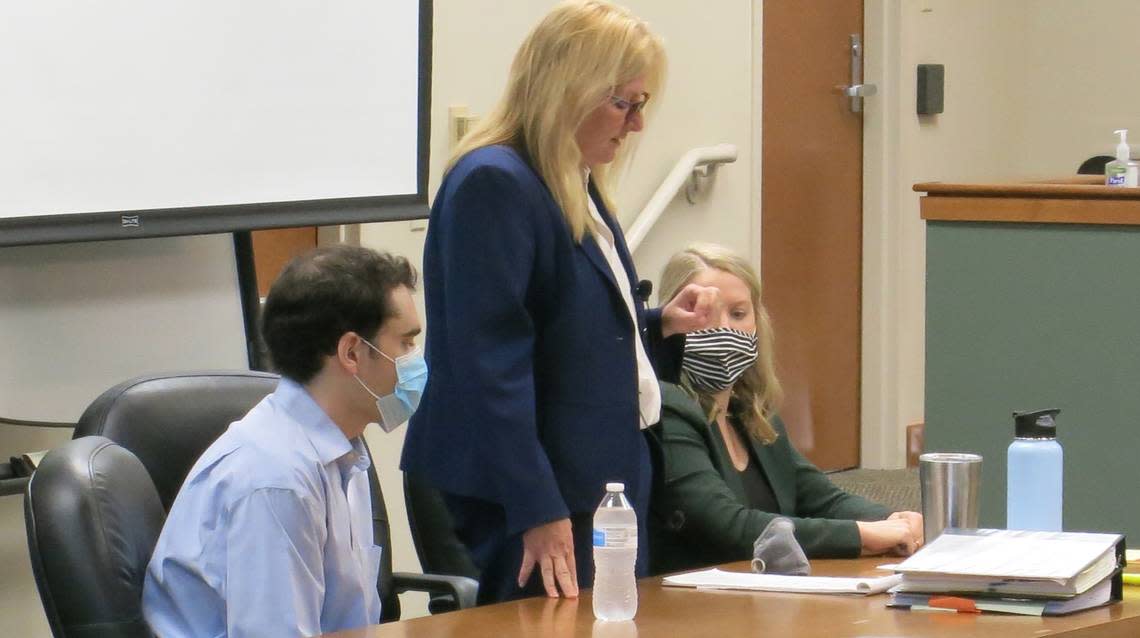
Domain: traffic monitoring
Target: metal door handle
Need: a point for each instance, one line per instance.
(860, 90)
(857, 90)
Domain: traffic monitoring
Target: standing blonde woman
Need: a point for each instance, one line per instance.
(541, 353)
(729, 468)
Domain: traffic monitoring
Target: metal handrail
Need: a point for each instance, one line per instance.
(687, 168)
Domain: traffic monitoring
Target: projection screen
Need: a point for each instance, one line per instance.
(135, 118)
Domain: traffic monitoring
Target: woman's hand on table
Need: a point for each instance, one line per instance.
(915, 521)
(893, 535)
(551, 548)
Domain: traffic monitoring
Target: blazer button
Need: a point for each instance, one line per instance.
(676, 520)
(621, 339)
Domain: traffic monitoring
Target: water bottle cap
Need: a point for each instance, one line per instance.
(615, 487)
(1036, 424)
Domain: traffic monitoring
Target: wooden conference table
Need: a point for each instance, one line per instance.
(684, 613)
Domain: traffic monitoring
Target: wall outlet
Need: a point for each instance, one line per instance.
(459, 122)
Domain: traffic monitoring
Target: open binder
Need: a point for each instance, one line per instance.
(1017, 565)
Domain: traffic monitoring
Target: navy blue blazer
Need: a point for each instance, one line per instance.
(531, 400)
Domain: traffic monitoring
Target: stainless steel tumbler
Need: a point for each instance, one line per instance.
(950, 495)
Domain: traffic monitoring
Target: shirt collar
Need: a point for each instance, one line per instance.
(357, 459)
(327, 439)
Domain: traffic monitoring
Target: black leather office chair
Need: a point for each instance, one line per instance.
(167, 421)
(433, 532)
(93, 517)
(1094, 165)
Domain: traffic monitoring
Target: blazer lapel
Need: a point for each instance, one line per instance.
(776, 470)
(593, 251)
(619, 243)
(723, 461)
(622, 248)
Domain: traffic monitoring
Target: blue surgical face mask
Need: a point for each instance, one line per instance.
(411, 376)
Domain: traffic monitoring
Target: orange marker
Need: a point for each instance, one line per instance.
(960, 605)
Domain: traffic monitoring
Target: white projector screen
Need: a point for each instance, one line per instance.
(135, 118)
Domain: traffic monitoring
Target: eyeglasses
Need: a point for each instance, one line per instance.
(629, 107)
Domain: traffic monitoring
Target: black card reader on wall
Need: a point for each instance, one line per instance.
(931, 80)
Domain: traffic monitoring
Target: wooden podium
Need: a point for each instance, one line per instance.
(1033, 301)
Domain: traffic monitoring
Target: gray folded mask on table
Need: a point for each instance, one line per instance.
(777, 552)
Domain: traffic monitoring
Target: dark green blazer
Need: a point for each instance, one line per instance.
(699, 514)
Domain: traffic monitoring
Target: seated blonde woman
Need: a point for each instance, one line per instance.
(728, 466)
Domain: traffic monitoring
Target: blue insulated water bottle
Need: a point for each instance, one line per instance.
(1033, 473)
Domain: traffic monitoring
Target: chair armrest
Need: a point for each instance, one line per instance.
(13, 486)
(462, 589)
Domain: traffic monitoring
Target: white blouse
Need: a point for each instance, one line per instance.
(648, 390)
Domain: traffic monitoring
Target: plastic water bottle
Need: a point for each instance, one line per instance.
(615, 554)
(1035, 463)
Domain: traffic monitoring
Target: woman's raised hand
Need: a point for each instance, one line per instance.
(696, 307)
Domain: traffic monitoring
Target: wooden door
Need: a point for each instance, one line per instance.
(811, 221)
(272, 249)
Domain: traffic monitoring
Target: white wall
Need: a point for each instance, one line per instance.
(708, 100)
(76, 319)
(1079, 84)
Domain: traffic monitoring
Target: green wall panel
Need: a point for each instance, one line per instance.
(1028, 316)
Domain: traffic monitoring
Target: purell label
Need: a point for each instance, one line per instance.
(1115, 179)
(615, 537)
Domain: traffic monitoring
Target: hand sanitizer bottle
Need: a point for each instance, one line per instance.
(1122, 171)
(1034, 473)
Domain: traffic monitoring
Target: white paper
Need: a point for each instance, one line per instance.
(718, 579)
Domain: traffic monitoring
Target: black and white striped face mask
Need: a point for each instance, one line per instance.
(715, 358)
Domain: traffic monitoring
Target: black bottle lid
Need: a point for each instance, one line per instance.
(1036, 424)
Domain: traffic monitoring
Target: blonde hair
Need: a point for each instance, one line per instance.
(567, 66)
(757, 394)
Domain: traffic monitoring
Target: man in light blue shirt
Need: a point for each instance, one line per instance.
(271, 533)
